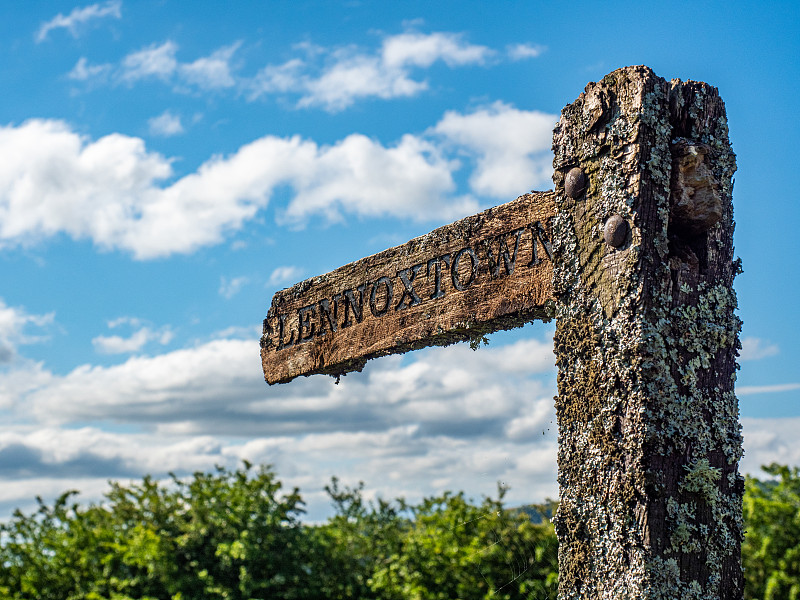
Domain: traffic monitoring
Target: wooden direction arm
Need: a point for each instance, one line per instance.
(484, 273)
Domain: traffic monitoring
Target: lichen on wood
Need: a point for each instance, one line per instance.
(646, 342)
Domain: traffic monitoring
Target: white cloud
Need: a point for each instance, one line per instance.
(153, 61)
(54, 180)
(422, 50)
(407, 428)
(512, 147)
(14, 329)
(19, 379)
(154, 385)
(166, 124)
(109, 190)
(218, 387)
(329, 78)
(755, 349)
(285, 274)
(767, 441)
(116, 344)
(523, 51)
(450, 418)
(211, 72)
(237, 332)
(749, 390)
(353, 77)
(160, 62)
(287, 77)
(80, 16)
(83, 71)
(335, 78)
(359, 175)
(143, 334)
(132, 321)
(228, 288)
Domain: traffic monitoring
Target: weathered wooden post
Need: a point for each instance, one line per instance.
(633, 254)
(646, 343)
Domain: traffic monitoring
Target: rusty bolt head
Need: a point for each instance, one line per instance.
(575, 182)
(615, 231)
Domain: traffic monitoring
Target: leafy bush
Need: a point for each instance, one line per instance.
(771, 549)
(234, 534)
(220, 535)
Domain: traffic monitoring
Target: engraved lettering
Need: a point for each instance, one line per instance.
(325, 314)
(406, 278)
(538, 231)
(281, 330)
(304, 316)
(509, 262)
(373, 297)
(356, 305)
(457, 283)
(436, 263)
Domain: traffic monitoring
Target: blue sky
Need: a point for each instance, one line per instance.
(166, 167)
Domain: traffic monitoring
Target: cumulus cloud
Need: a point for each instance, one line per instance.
(330, 78)
(754, 348)
(154, 61)
(769, 440)
(115, 344)
(334, 79)
(143, 334)
(228, 288)
(110, 190)
(19, 379)
(83, 71)
(749, 390)
(160, 62)
(217, 388)
(446, 418)
(211, 72)
(117, 193)
(80, 17)
(451, 419)
(15, 329)
(511, 146)
(284, 274)
(523, 51)
(165, 125)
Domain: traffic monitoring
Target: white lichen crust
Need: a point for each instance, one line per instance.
(646, 344)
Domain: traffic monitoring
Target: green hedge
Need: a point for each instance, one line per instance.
(236, 534)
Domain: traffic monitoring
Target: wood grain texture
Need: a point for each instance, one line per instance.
(484, 273)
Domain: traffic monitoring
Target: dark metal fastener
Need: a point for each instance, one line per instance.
(575, 182)
(615, 231)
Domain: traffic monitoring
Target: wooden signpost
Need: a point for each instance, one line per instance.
(632, 253)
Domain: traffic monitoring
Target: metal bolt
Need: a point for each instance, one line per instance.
(615, 231)
(575, 182)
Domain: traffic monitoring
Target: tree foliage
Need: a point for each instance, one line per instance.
(233, 534)
(227, 534)
(771, 549)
